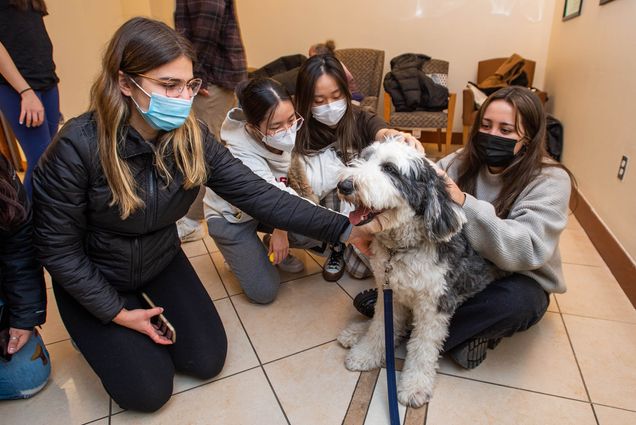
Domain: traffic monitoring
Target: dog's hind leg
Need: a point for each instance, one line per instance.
(352, 333)
(368, 352)
(422, 354)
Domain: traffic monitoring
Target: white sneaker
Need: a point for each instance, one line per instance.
(291, 264)
(187, 232)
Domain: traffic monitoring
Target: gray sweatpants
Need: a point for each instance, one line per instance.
(247, 256)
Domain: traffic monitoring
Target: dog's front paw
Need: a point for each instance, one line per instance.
(360, 359)
(414, 394)
(416, 398)
(352, 334)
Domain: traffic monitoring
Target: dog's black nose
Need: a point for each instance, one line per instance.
(346, 186)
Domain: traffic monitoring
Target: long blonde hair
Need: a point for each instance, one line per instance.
(139, 46)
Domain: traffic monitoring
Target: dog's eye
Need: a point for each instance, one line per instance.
(389, 168)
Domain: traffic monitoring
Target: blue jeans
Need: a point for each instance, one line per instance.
(27, 372)
(33, 140)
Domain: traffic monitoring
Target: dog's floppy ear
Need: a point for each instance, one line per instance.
(429, 199)
(450, 217)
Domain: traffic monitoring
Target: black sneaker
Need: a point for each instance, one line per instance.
(365, 302)
(470, 354)
(334, 266)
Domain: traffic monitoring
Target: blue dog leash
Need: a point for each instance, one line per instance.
(388, 344)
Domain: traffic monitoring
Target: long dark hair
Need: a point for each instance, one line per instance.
(27, 5)
(137, 47)
(315, 135)
(259, 98)
(526, 166)
(12, 211)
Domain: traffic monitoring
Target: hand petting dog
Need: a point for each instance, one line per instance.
(456, 194)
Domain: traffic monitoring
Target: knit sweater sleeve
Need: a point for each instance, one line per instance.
(528, 237)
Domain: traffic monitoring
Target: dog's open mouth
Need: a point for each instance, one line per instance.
(362, 215)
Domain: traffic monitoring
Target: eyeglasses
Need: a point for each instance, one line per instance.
(295, 126)
(174, 86)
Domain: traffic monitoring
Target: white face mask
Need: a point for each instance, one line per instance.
(331, 113)
(283, 140)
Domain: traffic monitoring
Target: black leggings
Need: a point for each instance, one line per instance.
(508, 305)
(136, 372)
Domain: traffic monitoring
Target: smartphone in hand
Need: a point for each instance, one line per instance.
(161, 323)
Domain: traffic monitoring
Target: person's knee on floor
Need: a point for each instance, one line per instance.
(206, 366)
(145, 395)
(262, 295)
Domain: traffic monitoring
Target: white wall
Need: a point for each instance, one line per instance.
(80, 31)
(460, 31)
(591, 76)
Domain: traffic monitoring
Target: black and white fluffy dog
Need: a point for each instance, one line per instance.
(421, 253)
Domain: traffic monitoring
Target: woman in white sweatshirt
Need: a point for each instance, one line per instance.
(260, 133)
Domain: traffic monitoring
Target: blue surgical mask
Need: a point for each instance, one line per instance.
(164, 113)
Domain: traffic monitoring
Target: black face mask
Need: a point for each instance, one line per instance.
(494, 150)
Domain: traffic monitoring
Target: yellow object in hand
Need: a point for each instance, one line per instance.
(272, 258)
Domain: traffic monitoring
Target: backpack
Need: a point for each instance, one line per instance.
(554, 137)
(509, 73)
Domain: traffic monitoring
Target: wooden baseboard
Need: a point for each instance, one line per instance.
(619, 262)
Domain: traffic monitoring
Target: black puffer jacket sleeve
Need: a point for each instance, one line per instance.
(22, 279)
(238, 185)
(60, 187)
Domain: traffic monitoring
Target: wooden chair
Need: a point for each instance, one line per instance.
(366, 66)
(485, 69)
(419, 120)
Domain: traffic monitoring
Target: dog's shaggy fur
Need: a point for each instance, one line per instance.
(433, 268)
(297, 179)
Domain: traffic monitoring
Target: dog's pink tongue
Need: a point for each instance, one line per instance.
(358, 215)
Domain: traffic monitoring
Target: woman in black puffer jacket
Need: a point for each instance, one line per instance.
(24, 362)
(107, 194)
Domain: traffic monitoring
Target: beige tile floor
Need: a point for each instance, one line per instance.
(284, 367)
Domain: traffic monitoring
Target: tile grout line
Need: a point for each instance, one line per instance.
(352, 395)
(216, 269)
(375, 385)
(513, 388)
(556, 301)
(586, 265)
(614, 407)
(280, 404)
(299, 352)
(46, 344)
(599, 318)
(215, 380)
(200, 385)
(260, 363)
(576, 359)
